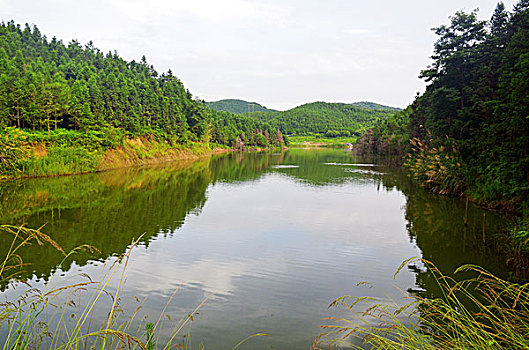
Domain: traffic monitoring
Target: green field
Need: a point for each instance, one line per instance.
(319, 140)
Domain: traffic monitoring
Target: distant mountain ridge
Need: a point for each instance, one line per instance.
(238, 106)
(328, 119)
(322, 118)
(375, 106)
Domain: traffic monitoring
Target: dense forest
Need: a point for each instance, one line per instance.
(327, 119)
(237, 106)
(469, 130)
(47, 85)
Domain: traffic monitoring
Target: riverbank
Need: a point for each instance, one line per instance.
(27, 154)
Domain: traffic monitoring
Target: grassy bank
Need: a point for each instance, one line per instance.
(25, 153)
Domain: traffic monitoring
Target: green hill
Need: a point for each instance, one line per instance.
(237, 106)
(329, 119)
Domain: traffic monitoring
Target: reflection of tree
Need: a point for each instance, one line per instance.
(103, 210)
(312, 168)
(240, 166)
(107, 210)
(436, 225)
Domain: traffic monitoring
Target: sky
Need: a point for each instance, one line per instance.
(279, 53)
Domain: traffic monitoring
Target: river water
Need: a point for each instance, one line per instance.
(268, 239)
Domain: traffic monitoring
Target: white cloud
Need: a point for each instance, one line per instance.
(356, 31)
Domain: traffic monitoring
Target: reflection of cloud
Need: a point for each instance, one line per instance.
(215, 277)
(351, 164)
(345, 213)
(363, 171)
(273, 227)
(285, 166)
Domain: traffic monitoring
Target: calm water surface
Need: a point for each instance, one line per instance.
(272, 239)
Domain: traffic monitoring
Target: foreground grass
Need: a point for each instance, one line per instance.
(482, 312)
(53, 317)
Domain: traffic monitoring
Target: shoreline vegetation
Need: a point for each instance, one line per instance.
(477, 312)
(42, 159)
(68, 152)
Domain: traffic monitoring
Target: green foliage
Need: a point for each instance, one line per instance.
(374, 106)
(388, 137)
(46, 86)
(319, 140)
(478, 97)
(102, 139)
(61, 160)
(240, 130)
(237, 106)
(12, 149)
(515, 244)
(330, 119)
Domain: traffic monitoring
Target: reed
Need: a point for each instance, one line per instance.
(478, 312)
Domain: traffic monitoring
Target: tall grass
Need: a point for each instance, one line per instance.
(479, 312)
(61, 160)
(514, 244)
(437, 165)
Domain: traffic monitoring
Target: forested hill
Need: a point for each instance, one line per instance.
(329, 119)
(238, 106)
(45, 84)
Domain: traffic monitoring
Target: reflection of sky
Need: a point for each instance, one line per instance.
(274, 246)
(274, 252)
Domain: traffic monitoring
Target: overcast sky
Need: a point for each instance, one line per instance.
(280, 53)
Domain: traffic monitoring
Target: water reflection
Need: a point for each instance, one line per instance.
(275, 237)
